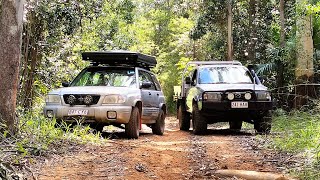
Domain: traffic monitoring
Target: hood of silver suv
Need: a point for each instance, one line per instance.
(101, 90)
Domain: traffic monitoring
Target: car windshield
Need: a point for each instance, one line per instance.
(106, 77)
(224, 75)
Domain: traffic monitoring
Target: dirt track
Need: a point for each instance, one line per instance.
(176, 155)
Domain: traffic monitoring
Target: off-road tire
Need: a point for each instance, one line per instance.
(198, 121)
(235, 125)
(133, 126)
(263, 125)
(184, 118)
(158, 127)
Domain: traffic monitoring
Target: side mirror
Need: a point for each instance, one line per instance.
(65, 84)
(250, 66)
(146, 85)
(188, 80)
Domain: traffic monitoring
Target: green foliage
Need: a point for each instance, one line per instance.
(213, 17)
(47, 58)
(316, 25)
(162, 31)
(297, 132)
(248, 30)
(38, 136)
(298, 129)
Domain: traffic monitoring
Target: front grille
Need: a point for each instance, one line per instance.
(81, 99)
(239, 95)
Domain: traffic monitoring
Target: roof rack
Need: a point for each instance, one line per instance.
(120, 58)
(215, 63)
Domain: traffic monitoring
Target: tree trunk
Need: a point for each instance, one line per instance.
(10, 46)
(304, 66)
(280, 77)
(28, 83)
(252, 31)
(33, 34)
(230, 39)
(282, 24)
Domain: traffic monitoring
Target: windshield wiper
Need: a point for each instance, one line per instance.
(243, 83)
(219, 83)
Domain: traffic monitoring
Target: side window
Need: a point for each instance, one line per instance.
(156, 82)
(146, 77)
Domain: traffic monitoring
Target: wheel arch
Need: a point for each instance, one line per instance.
(139, 105)
(164, 108)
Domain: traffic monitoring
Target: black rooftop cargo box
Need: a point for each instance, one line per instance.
(120, 58)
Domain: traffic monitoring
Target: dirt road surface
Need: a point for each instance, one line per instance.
(175, 155)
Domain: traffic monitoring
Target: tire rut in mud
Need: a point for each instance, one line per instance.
(90, 162)
(201, 165)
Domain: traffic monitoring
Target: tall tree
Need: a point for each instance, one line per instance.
(252, 31)
(280, 64)
(49, 25)
(11, 14)
(304, 66)
(230, 39)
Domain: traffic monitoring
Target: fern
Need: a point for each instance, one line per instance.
(266, 68)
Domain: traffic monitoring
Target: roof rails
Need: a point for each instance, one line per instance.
(215, 63)
(120, 58)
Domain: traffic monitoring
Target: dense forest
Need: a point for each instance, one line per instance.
(281, 38)
(263, 33)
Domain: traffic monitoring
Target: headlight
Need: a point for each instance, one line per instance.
(212, 96)
(114, 99)
(263, 96)
(53, 98)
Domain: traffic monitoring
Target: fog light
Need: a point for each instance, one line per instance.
(50, 114)
(112, 114)
(88, 99)
(247, 96)
(230, 96)
(71, 99)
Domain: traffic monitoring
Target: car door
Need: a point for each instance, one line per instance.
(191, 90)
(149, 107)
(158, 97)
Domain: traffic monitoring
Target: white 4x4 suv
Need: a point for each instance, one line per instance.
(116, 89)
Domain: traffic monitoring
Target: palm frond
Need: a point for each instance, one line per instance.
(266, 68)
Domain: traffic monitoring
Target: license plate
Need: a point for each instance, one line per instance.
(239, 104)
(77, 112)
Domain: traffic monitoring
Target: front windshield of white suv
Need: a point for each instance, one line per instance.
(101, 76)
(224, 75)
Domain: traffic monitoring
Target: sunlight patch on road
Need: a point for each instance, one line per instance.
(160, 148)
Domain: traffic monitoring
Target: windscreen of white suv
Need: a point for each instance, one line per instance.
(224, 75)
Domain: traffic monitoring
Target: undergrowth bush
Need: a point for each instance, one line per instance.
(38, 136)
(299, 133)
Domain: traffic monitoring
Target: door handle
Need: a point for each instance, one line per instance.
(157, 94)
(149, 93)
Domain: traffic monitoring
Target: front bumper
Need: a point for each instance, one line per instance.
(226, 106)
(95, 113)
(222, 111)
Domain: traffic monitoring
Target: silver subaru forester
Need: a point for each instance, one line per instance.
(117, 88)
